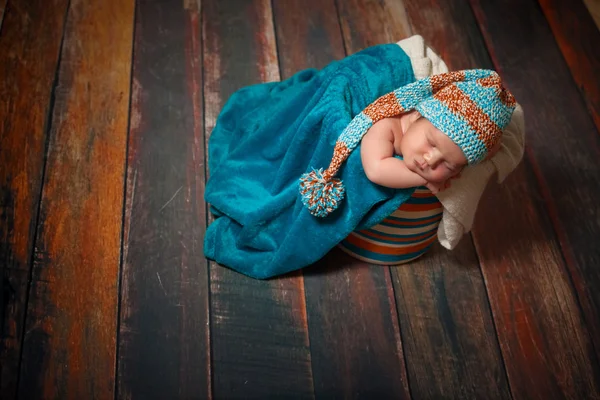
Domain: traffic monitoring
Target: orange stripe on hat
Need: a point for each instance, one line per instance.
(442, 80)
(461, 104)
(384, 107)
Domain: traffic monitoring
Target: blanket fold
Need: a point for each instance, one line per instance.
(267, 136)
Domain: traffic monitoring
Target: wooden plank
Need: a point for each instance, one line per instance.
(521, 242)
(579, 40)
(354, 333)
(164, 304)
(368, 23)
(469, 361)
(14, 294)
(30, 42)
(447, 329)
(258, 328)
(546, 346)
(70, 340)
(566, 166)
(2, 10)
(308, 34)
(593, 7)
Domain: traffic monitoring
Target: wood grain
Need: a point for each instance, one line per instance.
(70, 340)
(563, 144)
(30, 37)
(579, 41)
(2, 10)
(355, 339)
(593, 7)
(355, 343)
(308, 34)
(164, 304)
(544, 340)
(14, 294)
(453, 36)
(368, 23)
(258, 328)
(513, 235)
(447, 329)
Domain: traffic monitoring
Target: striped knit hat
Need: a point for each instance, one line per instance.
(471, 107)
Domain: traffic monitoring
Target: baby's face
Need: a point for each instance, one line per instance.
(430, 153)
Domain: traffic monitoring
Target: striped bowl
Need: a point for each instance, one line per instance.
(404, 236)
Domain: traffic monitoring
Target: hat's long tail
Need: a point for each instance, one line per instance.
(321, 191)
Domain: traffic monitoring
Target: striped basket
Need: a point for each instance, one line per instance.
(404, 236)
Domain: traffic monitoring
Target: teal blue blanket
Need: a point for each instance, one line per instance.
(267, 136)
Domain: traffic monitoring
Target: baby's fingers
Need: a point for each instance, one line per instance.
(432, 188)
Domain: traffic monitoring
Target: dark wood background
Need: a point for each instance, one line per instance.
(105, 111)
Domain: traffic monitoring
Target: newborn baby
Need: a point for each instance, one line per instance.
(438, 125)
(429, 157)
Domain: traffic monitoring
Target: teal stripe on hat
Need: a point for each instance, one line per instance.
(487, 99)
(472, 74)
(355, 130)
(410, 95)
(455, 127)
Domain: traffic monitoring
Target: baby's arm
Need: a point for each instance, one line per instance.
(379, 163)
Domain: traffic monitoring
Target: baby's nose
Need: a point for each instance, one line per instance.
(435, 162)
(432, 158)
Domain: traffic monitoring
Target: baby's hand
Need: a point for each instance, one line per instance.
(437, 187)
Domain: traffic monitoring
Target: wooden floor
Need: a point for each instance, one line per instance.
(105, 109)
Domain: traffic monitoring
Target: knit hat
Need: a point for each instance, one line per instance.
(471, 107)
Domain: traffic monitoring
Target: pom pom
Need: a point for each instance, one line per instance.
(321, 197)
